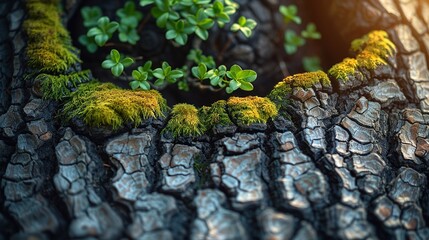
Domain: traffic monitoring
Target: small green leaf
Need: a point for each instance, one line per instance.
(107, 64)
(234, 85)
(146, 2)
(246, 86)
(290, 13)
(115, 56)
(127, 61)
(117, 69)
(134, 85)
(311, 32)
(145, 85)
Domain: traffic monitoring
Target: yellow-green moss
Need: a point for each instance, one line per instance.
(104, 104)
(185, 121)
(372, 50)
(344, 69)
(308, 79)
(281, 92)
(216, 114)
(248, 110)
(57, 87)
(49, 45)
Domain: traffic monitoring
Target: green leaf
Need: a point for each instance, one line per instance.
(158, 73)
(127, 61)
(235, 69)
(247, 75)
(134, 85)
(246, 31)
(115, 56)
(94, 32)
(246, 86)
(145, 85)
(242, 21)
(235, 27)
(234, 85)
(176, 74)
(117, 69)
(146, 2)
(201, 33)
(159, 82)
(161, 21)
(290, 13)
(292, 42)
(101, 39)
(90, 15)
(107, 64)
(171, 34)
(311, 32)
(290, 49)
(199, 71)
(311, 64)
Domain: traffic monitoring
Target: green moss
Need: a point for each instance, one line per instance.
(216, 114)
(248, 110)
(308, 79)
(185, 121)
(57, 87)
(281, 92)
(49, 45)
(104, 104)
(344, 69)
(372, 50)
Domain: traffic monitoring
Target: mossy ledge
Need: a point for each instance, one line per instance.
(373, 50)
(249, 110)
(104, 104)
(282, 91)
(49, 44)
(188, 121)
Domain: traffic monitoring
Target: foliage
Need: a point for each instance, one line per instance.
(180, 19)
(244, 25)
(311, 32)
(311, 64)
(290, 14)
(232, 79)
(103, 31)
(116, 63)
(196, 56)
(292, 41)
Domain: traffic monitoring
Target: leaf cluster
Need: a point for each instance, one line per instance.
(292, 41)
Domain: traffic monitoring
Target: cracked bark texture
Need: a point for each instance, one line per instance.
(351, 163)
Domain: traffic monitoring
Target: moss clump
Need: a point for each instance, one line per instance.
(104, 104)
(185, 121)
(308, 79)
(248, 110)
(344, 69)
(216, 114)
(57, 87)
(281, 92)
(372, 50)
(49, 44)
